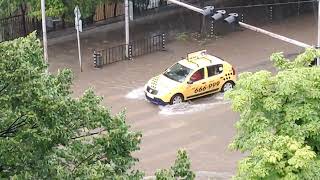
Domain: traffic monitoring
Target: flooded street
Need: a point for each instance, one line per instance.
(204, 127)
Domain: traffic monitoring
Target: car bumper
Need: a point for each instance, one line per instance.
(156, 101)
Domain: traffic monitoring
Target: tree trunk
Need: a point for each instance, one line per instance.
(63, 21)
(23, 11)
(115, 10)
(104, 11)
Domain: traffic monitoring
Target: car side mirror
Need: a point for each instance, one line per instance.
(220, 69)
(190, 82)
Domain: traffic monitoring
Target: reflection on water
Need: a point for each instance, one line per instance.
(198, 105)
(136, 94)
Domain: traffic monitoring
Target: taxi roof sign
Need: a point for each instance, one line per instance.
(196, 55)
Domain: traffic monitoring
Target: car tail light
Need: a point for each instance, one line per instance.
(233, 71)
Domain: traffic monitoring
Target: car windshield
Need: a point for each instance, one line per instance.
(177, 72)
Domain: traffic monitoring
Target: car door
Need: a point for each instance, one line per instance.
(197, 84)
(215, 77)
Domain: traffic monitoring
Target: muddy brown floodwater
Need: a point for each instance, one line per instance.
(204, 127)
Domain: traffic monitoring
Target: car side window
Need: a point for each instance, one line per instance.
(214, 70)
(198, 75)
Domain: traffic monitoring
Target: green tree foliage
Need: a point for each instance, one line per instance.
(279, 122)
(180, 170)
(54, 8)
(47, 134)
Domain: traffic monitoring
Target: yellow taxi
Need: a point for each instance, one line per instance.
(198, 75)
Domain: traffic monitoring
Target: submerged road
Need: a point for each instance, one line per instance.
(203, 127)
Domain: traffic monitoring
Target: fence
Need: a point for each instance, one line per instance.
(16, 26)
(135, 48)
(107, 10)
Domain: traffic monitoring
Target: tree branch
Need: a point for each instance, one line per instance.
(84, 160)
(4, 87)
(101, 158)
(88, 134)
(34, 126)
(12, 124)
(13, 127)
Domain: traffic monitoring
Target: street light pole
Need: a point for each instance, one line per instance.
(193, 8)
(44, 31)
(274, 35)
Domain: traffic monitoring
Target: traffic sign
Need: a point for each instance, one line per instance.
(78, 26)
(77, 12)
(77, 20)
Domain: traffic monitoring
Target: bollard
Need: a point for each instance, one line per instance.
(270, 13)
(97, 59)
(212, 29)
(130, 51)
(163, 41)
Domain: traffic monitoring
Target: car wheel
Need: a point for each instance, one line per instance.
(227, 86)
(176, 99)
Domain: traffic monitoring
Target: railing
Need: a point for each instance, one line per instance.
(114, 54)
(135, 48)
(146, 46)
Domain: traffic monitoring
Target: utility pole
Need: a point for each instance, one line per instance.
(126, 11)
(44, 31)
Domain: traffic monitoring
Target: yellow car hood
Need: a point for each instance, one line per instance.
(161, 83)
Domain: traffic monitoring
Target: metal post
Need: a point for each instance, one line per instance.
(79, 47)
(318, 42)
(126, 11)
(44, 31)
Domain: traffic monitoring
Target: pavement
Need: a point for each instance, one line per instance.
(204, 127)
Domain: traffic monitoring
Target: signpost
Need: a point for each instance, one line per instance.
(78, 26)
